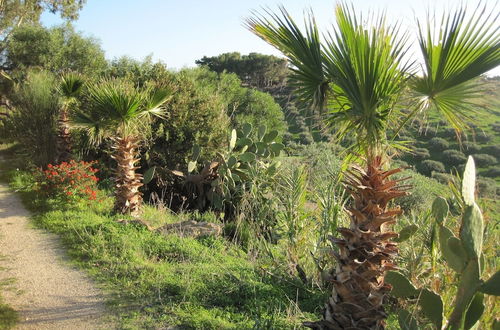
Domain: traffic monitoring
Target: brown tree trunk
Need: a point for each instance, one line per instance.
(365, 251)
(63, 139)
(128, 196)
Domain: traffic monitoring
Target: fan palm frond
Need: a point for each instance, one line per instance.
(464, 48)
(71, 85)
(115, 107)
(302, 50)
(370, 69)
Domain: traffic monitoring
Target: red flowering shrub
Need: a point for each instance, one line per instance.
(69, 181)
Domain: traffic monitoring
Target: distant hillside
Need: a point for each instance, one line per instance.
(437, 152)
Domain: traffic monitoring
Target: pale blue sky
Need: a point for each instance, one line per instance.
(178, 32)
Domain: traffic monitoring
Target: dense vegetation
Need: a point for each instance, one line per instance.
(111, 154)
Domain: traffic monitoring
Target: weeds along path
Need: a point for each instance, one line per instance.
(37, 282)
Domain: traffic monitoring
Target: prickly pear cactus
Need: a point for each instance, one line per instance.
(463, 255)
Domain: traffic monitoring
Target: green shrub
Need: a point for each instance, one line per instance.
(492, 172)
(453, 157)
(483, 137)
(33, 122)
(428, 133)
(438, 144)
(306, 138)
(426, 167)
(484, 160)
(443, 178)
(486, 187)
(422, 193)
(196, 117)
(493, 150)
(420, 154)
(470, 148)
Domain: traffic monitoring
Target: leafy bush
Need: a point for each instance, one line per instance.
(492, 172)
(422, 193)
(68, 181)
(484, 160)
(197, 116)
(453, 157)
(470, 148)
(486, 187)
(493, 150)
(443, 178)
(428, 133)
(33, 121)
(438, 144)
(483, 137)
(420, 154)
(426, 167)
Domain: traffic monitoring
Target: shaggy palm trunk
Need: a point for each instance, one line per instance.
(63, 139)
(128, 197)
(365, 251)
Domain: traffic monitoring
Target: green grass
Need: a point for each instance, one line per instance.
(159, 281)
(8, 316)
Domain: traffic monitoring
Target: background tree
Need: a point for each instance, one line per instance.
(257, 70)
(139, 72)
(56, 49)
(356, 77)
(15, 13)
(120, 111)
(269, 74)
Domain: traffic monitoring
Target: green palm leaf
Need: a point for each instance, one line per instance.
(302, 50)
(115, 107)
(464, 48)
(71, 85)
(370, 70)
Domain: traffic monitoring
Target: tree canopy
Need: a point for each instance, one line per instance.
(257, 70)
(14, 13)
(57, 49)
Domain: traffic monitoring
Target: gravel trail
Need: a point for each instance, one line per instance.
(37, 280)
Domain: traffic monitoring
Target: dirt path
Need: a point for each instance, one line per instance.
(47, 292)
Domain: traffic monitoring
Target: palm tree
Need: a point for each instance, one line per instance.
(356, 77)
(121, 112)
(69, 89)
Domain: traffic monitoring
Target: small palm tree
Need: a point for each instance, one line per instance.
(357, 77)
(121, 112)
(69, 89)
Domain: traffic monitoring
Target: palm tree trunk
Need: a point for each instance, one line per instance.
(63, 139)
(128, 197)
(365, 251)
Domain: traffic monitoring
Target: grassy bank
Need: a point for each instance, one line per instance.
(158, 281)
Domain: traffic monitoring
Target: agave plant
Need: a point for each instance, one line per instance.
(121, 112)
(356, 76)
(69, 89)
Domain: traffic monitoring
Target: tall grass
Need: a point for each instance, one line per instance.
(32, 123)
